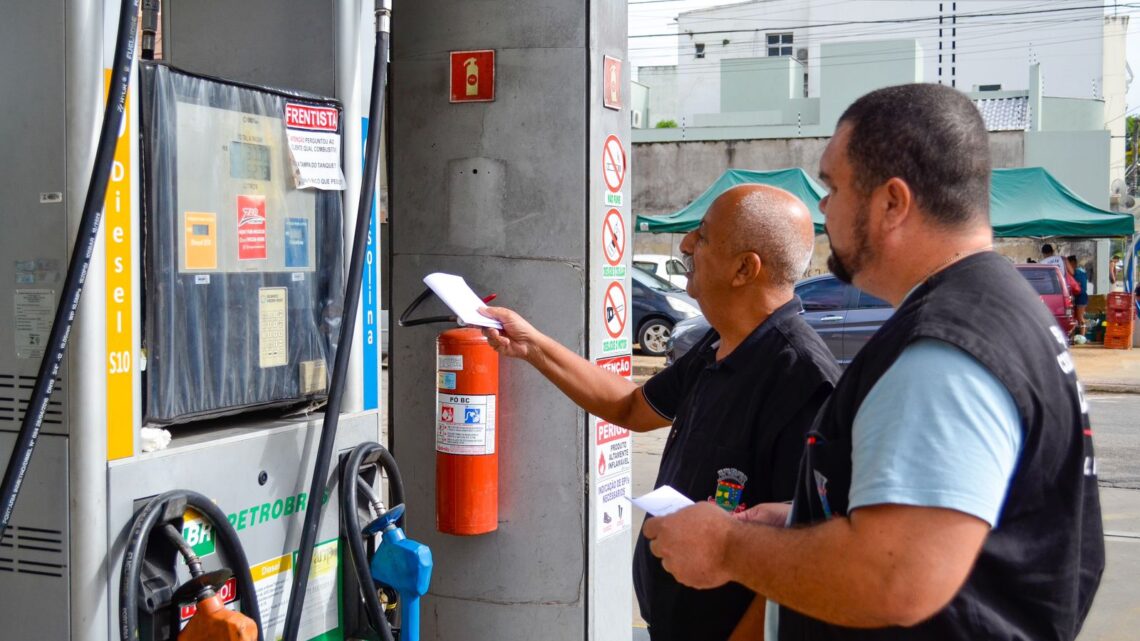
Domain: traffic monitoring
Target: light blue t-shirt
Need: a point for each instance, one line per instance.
(937, 430)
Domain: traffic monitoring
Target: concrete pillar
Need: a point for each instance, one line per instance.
(510, 195)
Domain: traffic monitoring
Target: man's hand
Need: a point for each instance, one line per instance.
(517, 339)
(773, 514)
(693, 544)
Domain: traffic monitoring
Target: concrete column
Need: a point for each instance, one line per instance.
(510, 195)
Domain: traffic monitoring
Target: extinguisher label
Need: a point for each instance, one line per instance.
(465, 424)
(450, 361)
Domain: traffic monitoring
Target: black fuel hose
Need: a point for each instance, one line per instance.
(351, 528)
(145, 521)
(76, 268)
(348, 325)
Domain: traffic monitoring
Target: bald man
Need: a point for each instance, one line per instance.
(740, 401)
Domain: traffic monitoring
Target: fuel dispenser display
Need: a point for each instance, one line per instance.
(242, 267)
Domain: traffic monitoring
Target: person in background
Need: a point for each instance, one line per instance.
(1048, 257)
(1081, 296)
(740, 401)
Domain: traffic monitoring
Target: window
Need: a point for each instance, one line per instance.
(646, 266)
(651, 281)
(822, 295)
(675, 268)
(867, 301)
(989, 87)
(700, 50)
(1045, 281)
(779, 44)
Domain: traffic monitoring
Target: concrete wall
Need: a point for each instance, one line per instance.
(1072, 114)
(852, 69)
(759, 84)
(1077, 158)
(669, 175)
(493, 192)
(662, 83)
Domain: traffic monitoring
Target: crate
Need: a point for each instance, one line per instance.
(1120, 316)
(1120, 342)
(1121, 300)
(1118, 335)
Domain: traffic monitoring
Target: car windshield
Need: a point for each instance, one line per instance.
(654, 282)
(1043, 280)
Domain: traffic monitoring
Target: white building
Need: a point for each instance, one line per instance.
(974, 45)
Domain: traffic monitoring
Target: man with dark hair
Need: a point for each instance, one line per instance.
(1080, 296)
(1048, 257)
(948, 487)
(739, 401)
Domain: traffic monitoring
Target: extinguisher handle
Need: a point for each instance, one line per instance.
(410, 322)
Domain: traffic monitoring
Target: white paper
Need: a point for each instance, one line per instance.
(662, 501)
(455, 293)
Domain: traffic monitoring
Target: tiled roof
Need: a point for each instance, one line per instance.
(1005, 114)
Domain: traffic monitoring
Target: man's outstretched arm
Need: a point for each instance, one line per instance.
(599, 392)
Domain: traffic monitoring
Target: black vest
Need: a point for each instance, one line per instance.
(1039, 568)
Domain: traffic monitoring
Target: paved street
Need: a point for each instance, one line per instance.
(1116, 423)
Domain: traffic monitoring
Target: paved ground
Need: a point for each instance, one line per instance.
(1116, 612)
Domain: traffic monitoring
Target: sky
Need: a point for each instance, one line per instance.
(656, 16)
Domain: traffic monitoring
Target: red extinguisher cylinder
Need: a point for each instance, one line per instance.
(467, 434)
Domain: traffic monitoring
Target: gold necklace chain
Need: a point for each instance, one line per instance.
(953, 259)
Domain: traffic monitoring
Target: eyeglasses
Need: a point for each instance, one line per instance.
(687, 262)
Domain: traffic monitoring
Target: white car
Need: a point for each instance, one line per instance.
(662, 266)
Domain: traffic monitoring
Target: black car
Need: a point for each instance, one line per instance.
(658, 305)
(843, 316)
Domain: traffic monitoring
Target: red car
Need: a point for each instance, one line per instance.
(1050, 284)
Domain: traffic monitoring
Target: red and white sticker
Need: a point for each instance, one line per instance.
(311, 117)
(313, 134)
(613, 237)
(228, 594)
(465, 424)
(614, 164)
(473, 76)
(251, 226)
(614, 465)
(611, 82)
(614, 308)
(620, 365)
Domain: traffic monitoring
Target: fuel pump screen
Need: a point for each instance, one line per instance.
(249, 161)
(243, 270)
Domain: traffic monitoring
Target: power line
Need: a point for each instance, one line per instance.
(959, 16)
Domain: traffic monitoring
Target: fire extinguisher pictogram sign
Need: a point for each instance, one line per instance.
(473, 76)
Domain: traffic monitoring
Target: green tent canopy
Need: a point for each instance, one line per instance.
(1030, 202)
(687, 218)
(1025, 202)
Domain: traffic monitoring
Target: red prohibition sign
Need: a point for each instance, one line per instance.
(613, 237)
(616, 317)
(613, 163)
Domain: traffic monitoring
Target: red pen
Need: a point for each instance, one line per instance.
(489, 297)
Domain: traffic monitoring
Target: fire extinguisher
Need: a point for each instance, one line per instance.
(466, 428)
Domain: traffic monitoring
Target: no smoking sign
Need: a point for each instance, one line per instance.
(615, 165)
(615, 310)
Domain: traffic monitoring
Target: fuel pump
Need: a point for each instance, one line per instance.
(467, 427)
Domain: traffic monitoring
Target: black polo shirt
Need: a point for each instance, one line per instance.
(736, 439)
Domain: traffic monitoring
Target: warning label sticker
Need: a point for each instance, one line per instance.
(200, 240)
(614, 454)
(613, 244)
(273, 326)
(34, 311)
(314, 146)
(273, 581)
(296, 242)
(251, 225)
(465, 424)
(620, 365)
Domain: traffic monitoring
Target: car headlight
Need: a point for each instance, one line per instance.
(684, 308)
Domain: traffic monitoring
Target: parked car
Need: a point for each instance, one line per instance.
(846, 318)
(658, 305)
(843, 316)
(668, 267)
(1054, 291)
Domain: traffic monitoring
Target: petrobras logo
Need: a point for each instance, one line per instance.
(309, 117)
(251, 217)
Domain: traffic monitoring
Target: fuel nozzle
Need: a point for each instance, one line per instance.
(211, 620)
(403, 565)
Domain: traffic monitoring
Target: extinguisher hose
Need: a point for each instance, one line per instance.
(348, 325)
(76, 268)
(350, 524)
(145, 521)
